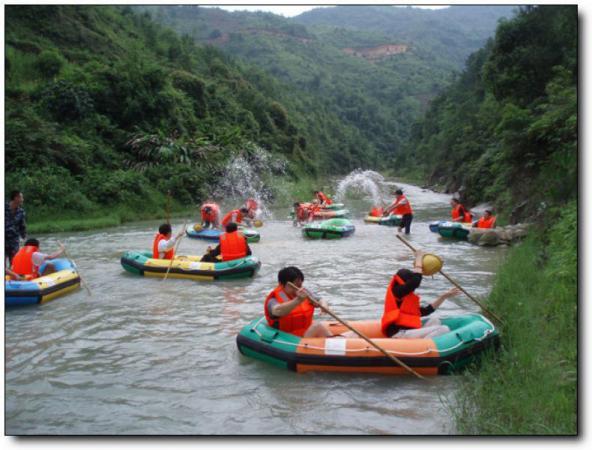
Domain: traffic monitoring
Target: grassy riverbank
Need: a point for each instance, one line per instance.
(102, 219)
(530, 386)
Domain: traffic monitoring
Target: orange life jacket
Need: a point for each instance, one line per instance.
(403, 312)
(456, 213)
(297, 321)
(301, 213)
(376, 212)
(233, 246)
(170, 254)
(402, 209)
(486, 223)
(324, 199)
(228, 217)
(211, 216)
(22, 263)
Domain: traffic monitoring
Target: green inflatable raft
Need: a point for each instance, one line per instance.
(329, 229)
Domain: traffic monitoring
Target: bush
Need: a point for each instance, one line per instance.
(49, 63)
(66, 101)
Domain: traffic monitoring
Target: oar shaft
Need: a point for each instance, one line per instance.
(404, 241)
(175, 252)
(82, 281)
(359, 333)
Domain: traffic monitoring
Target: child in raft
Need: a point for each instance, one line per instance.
(402, 310)
(288, 309)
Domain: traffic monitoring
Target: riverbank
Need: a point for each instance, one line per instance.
(530, 386)
(286, 191)
(104, 219)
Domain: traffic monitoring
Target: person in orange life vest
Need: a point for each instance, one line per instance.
(459, 213)
(233, 245)
(401, 206)
(402, 310)
(237, 216)
(210, 215)
(376, 211)
(28, 260)
(302, 214)
(487, 221)
(288, 309)
(251, 205)
(164, 243)
(322, 198)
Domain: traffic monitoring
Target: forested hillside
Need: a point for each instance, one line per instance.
(378, 76)
(510, 116)
(107, 109)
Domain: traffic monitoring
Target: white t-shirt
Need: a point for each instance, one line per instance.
(165, 246)
(38, 259)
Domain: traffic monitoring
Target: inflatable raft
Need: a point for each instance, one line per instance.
(142, 263)
(334, 206)
(394, 220)
(329, 229)
(470, 335)
(214, 234)
(325, 214)
(454, 230)
(45, 288)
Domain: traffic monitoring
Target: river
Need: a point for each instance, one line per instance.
(146, 356)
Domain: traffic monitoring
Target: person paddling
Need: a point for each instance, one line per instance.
(402, 310)
(288, 309)
(164, 243)
(28, 261)
(401, 206)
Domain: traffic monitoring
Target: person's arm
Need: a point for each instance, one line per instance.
(248, 250)
(461, 215)
(282, 309)
(451, 293)
(14, 275)
(57, 254)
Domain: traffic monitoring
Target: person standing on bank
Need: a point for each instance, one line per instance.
(401, 206)
(15, 226)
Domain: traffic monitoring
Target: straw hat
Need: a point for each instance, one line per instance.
(431, 264)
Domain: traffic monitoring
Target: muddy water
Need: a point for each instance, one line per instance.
(143, 356)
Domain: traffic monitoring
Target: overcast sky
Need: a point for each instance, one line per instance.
(285, 10)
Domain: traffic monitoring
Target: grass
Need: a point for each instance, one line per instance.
(101, 219)
(530, 386)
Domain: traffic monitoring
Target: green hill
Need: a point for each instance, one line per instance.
(374, 79)
(107, 109)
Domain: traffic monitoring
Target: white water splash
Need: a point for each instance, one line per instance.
(245, 177)
(366, 184)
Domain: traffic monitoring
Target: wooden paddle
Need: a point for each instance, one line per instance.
(491, 314)
(176, 247)
(78, 270)
(359, 333)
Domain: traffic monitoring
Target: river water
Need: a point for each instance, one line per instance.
(146, 356)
